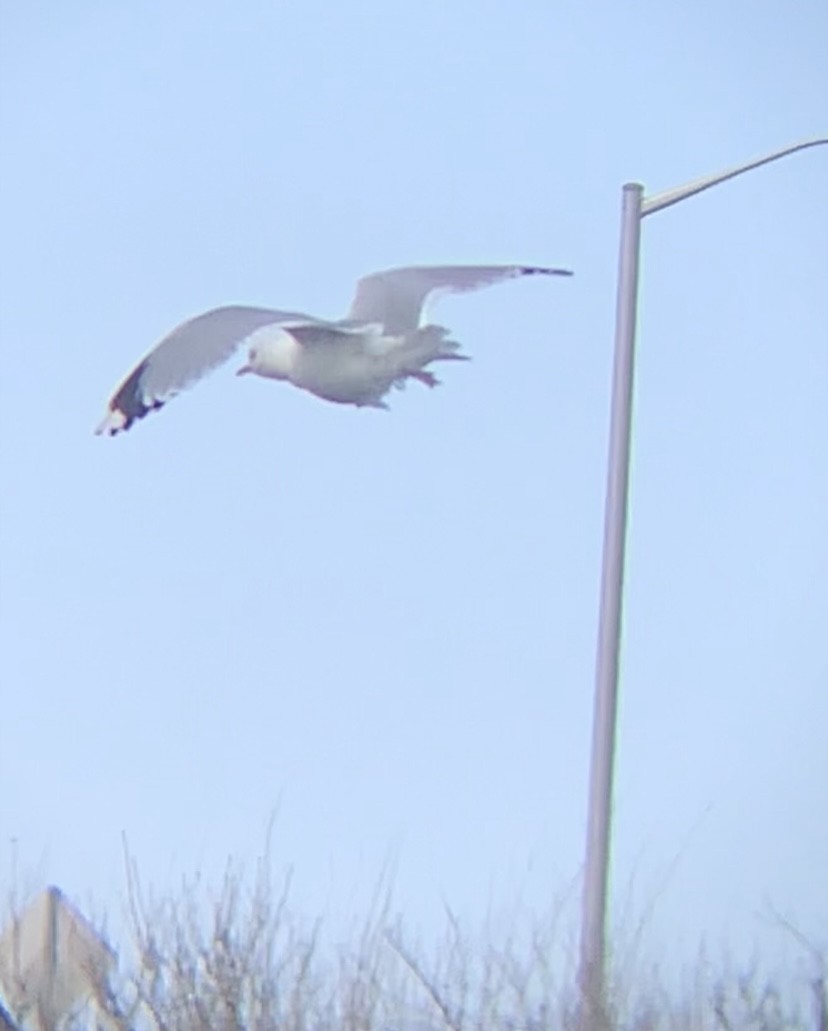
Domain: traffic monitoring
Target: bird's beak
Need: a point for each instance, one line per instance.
(244, 370)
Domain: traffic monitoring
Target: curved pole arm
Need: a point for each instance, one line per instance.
(664, 200)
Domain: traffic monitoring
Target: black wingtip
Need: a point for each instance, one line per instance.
(539, 270)
(119, 420)
(129, 404)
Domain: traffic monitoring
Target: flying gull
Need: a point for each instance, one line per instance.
(384, 341)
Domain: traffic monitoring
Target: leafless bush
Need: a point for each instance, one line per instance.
(239, 960)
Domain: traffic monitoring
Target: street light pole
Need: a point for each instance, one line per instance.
(599, 814)
(592, 975)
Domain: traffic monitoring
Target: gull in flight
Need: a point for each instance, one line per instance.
(384, 341)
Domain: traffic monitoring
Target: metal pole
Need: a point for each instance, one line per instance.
(592, 974)
(593, 927)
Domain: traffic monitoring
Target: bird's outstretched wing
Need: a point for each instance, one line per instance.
(398, 298)
(184, 356)
(317, 334)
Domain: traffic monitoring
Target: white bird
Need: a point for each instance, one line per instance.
(383, 342)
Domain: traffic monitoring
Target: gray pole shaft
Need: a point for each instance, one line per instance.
(592, 972)
(596, 870)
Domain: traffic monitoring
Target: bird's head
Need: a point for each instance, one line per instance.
(271, 354)
(251, 366)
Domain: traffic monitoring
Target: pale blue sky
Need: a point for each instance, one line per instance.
(384, 624)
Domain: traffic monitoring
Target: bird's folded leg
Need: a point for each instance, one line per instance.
(424, 376)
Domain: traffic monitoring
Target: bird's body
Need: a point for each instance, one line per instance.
(356, 360)
(354, 365)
